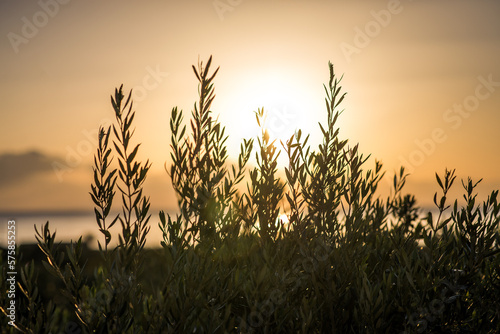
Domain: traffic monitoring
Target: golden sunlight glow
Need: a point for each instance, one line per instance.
(287, 103)
(284, 105)
(284, 219)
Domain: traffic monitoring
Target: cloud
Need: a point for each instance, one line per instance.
(28, 182)
(15, 168)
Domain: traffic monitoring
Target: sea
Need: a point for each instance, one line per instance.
(68, 226)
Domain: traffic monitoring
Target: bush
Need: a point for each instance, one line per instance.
(346, 261)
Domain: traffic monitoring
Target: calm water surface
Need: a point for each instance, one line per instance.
(68, 226)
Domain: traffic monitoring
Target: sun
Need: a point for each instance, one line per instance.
(289, 105)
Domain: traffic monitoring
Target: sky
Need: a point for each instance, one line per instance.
(422, 80)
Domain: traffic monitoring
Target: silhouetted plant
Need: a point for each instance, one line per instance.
(135, 206)
(204, 187)
(348, 261)
(265, 190)
(324, 179)
(103, 190)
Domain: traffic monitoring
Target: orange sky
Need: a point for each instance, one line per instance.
(422, 81)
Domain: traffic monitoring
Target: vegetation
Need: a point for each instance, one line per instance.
(347, 260)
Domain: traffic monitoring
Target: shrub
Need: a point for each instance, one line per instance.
(347, 260)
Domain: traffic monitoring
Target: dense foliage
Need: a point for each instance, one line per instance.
(346, 261)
